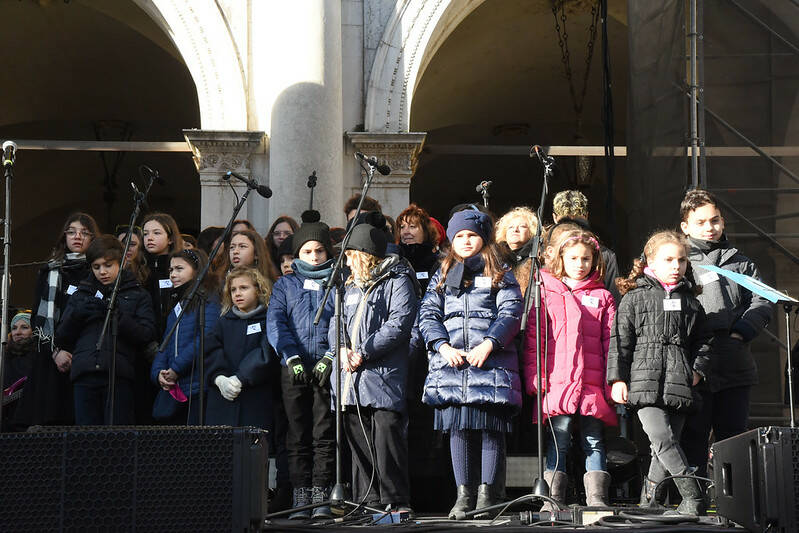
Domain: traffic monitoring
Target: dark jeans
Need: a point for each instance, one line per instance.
(91, 401)
(663, 429)
(311, 433)
(388, 436)
(725, 411)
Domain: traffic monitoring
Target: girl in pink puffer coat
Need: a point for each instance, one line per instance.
(579, 313)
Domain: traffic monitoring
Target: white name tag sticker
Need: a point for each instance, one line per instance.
(71, 290)
(164, 283)
(422, 275)
(98, 295)
(482, 282)
(590, 301)
(351, 299)
(254, 328)
(310, 285)
(178, 309)
(670, 304)
(708, 277)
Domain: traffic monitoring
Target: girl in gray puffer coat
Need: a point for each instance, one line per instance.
(469, 317)
(659, 350)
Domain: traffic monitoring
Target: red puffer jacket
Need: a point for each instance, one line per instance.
(578, 325)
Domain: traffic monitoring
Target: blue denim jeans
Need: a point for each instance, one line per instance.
(590, 439)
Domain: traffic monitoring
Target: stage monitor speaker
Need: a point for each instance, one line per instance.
(133, 479)
(756, 478)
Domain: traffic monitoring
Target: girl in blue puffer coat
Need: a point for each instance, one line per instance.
(176, 369)
(379, 310)
(469, 317)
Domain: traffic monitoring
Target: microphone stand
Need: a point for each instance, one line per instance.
(338, 496)
(194, 293)
(8, 174)
(311, 185)
(111, 316)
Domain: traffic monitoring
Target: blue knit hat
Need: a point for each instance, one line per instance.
(472, 220)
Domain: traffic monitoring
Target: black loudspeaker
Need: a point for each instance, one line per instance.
(756, 478)
(133, 479)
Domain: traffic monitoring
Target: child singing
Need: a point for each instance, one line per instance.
(469, 317)
(659, 351)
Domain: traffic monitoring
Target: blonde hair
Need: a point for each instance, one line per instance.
(262, 284)
(572, 204)
(503, 223)
(361, 266)
(656, 240)
(567, 240)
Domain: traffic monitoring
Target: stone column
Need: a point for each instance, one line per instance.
(215, 153)
(298, 100)
(400, 151)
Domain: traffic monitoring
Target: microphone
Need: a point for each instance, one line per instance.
(9, 153)
(263, 190)
(483, 186)
(372, 161)
(543, 154)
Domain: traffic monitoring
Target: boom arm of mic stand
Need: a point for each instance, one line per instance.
(196, 286)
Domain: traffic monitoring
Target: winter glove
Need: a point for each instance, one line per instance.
(297, 371)
(322, 370)
(228, 387)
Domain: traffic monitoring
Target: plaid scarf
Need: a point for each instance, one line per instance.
(48, 312)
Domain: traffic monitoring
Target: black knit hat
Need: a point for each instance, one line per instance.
(286, 247)
(369, 239)
(312, 231)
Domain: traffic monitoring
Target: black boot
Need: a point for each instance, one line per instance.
(692, 501)
(650, 497)
(463, 503)
(485, 498)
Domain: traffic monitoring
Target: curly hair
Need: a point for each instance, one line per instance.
(570, 204)
(567, 240)
(656, 240)
(504, 223)
(361, 266)
(262, 285)
(413, 214)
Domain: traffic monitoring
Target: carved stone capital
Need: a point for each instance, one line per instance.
(400, 151)
(216, 152)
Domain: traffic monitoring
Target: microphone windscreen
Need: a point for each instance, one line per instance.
(311, 215)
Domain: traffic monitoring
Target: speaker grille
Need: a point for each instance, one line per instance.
(130, 478)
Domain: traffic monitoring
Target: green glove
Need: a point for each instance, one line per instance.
(297, 371)
(322, 370)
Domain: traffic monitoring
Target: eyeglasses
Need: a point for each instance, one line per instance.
(282, 233)
(71, 233)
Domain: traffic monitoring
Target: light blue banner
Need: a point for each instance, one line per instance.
(754, 285)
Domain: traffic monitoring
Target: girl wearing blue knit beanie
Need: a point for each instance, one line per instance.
(469, 317)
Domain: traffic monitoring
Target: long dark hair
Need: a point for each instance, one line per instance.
(59, 250)
(197, 258)
(493, 264)
(270, 238)
(171, 228)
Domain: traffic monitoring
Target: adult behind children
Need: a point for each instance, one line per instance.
(572, 206)
(20, 351)
(378, 312)
(302, 349)
(574, 338)
(48, 391)
(80, 329)
(735, 315)
(176, 369)
(369, 204)
(238, 355)
(469, 318)
(282, 228)
(418, 241)
(658, 352)
(514, 235)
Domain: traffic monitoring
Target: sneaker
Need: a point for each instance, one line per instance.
(302, 497)
(319, 495)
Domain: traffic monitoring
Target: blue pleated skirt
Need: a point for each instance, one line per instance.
(460, 417)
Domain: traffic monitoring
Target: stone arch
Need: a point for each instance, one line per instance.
(413, 34)
(203, 36)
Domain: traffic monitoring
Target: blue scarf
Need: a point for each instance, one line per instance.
(464, 271)
(315, 272)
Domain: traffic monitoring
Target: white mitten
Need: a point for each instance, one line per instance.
(228, 387)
